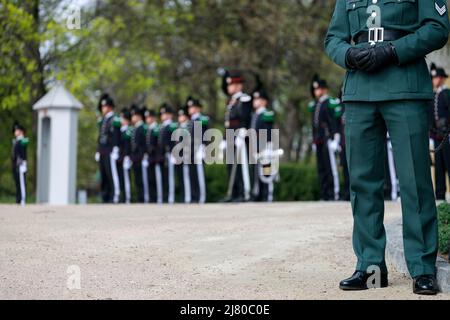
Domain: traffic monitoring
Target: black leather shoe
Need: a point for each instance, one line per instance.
(226, 200)
(426, 285)
(359, 280)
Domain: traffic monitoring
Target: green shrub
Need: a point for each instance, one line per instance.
(444, 227)
(298, 183)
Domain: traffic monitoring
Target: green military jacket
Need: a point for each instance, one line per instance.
(427, 25)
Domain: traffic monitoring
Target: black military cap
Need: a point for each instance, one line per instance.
(234, 76)
(150, 113)
(183, 112)
(261, 94)
(136, 111)
(105, 100)
(17, 126)
(126, 114)
(320, 84)
(438, 72)
(165, 108)
(192, 102)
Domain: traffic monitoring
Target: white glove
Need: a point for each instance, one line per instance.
(335, 146)
(23, 167)
(337, 138)
(200, 154)
(314, 148)
(97, 156)
(240, 142)
(223, 145)
(172, 159)
(145, 162)
(115, 154)
(127, 163)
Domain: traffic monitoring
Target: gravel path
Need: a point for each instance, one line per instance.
(251, 251)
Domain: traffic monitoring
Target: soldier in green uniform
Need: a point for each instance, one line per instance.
(19, 162)
(382, 45)
(197, 168)
(154, 169)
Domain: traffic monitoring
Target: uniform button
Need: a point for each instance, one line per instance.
(374, 14)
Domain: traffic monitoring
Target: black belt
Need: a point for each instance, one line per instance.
(379, 35)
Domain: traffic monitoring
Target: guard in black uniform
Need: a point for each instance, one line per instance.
(182, 167)
(166, 145)
(338, 109)
(19, 162)
(108, 151)
(326, 139)
(238, 117)
(440, 117)
(154, 168)
(138, 150)
(124, 163)
(197, 167)
(263, 176)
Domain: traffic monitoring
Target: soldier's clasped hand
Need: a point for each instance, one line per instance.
(356, 57)
(378, 58)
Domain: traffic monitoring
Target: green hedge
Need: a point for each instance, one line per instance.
(298, 183)
(444, 227)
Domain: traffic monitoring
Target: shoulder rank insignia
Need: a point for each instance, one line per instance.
(441, 10)
(116, 122)
(173, 126)
(155, 131)
(129, 133)
(245, 98)
(24, 142)
(311, 106)
(268, 116)
(204, 120)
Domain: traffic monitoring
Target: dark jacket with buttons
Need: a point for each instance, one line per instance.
(109, 134)
(440, 114)
(427, 26)
(19, 152)
(239, 112)
(138, 146)
(324, 122)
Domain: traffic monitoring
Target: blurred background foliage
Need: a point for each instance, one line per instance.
(151, 51)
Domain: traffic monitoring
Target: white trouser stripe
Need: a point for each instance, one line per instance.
(271, 189)
(201, 183)
(171, 180)
(187, 184)
(115, 177)
(126, 179)
(335, 171)
(256, 179)
(159, 187)
(145, 183)
(22, 187)
(393, 175)
(245, 172)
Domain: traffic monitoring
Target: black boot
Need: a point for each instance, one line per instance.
(426, 285)
(359, 280)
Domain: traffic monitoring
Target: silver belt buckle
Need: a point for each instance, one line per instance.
(376, 35)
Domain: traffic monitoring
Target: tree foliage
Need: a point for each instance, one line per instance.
(152, 51)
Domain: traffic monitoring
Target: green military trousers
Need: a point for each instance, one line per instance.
(407, 123)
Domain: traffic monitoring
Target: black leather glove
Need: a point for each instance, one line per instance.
(379, 57)
(355, 57)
